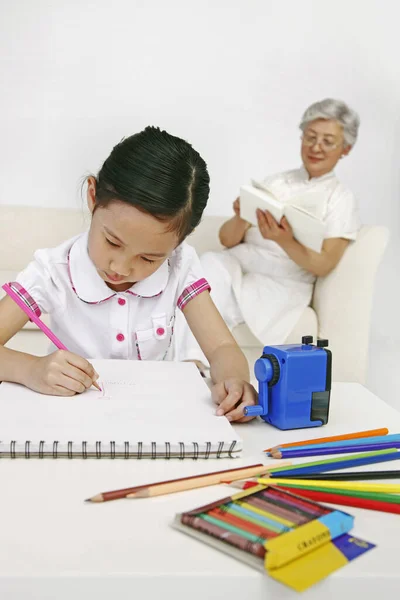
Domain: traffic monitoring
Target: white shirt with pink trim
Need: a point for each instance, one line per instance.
(94, 321)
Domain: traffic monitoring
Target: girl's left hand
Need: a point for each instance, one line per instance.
(233, 395)
(271, 230)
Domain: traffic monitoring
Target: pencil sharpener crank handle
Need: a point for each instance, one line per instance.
(266, 370)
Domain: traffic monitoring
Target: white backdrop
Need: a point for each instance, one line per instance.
(231, 76)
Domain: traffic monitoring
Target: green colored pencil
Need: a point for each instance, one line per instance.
(327, 461)
(381, 496)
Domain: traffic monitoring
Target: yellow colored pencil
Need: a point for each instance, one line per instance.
(388, 488)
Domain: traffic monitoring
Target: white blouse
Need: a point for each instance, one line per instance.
(340, 214)
(93, 320)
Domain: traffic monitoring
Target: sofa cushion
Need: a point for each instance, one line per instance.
(307, 325)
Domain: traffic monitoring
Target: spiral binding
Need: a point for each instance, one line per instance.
(108, 450)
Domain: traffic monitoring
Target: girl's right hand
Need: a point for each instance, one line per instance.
(60, 374)
(236, 206)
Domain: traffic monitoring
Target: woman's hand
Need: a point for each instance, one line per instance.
(60, 374)
(236, 206)
(271, 230)
(232, 396)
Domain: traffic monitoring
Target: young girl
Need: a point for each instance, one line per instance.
(113, 291)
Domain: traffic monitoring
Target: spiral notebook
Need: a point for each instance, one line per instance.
(146, 410)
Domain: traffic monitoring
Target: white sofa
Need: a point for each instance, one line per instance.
(340, 309)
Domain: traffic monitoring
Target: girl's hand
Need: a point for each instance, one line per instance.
(236, 206)
(271, 230)
(233, 395)
(60, 374)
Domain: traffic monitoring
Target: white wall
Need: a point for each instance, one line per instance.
(231, 76)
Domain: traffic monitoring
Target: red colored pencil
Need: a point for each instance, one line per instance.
(347, 500)
(242, 485)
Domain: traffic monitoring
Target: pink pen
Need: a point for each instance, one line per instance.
(32, 317)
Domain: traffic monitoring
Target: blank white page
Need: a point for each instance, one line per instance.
(142, 401)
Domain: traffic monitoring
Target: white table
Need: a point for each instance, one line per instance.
(55, 546)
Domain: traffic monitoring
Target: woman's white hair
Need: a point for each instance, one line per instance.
(337, 110)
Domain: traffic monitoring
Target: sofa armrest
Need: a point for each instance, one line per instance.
(343, 302)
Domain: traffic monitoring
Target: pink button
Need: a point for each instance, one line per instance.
(121, 301)
(120, 337)
(160, 331)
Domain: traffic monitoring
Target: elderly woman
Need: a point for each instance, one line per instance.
(265, 276)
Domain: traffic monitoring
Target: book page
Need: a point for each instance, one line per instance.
(307, 229)
(252, 198)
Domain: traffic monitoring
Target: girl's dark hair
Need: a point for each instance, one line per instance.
(160, 174)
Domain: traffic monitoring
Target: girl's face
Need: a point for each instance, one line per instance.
(125, 244)
(322, 146)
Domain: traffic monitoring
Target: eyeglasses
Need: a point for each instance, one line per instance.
(309, 139)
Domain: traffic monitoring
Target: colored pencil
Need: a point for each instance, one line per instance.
(368, 458)
(328, 461)
(177, 485)
(382, 496)
(388, 488)
(311, 451)
(377, 439)
(334, 438)
(190, 483)
(35, 319)
(349, 476)
(352, 501)
(244, 484)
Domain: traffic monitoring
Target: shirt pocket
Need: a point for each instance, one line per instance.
(155, 343)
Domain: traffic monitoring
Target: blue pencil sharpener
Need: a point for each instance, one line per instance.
(294, 385)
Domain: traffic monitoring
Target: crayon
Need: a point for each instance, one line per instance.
(238, 541)
(242, 523)
(225, 525)
(256, 517)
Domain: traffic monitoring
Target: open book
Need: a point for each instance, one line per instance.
(146, 409)
(304, 213)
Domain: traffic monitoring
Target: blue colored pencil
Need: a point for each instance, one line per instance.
(296, 453)
(335, 466)
(376, 439)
